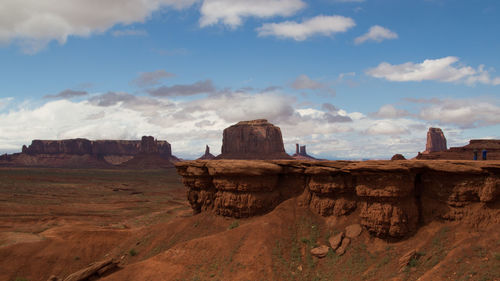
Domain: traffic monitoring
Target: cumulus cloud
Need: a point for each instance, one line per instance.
(146, 79)
(67, 94)
(444, 69)
(319, 25)
(386, 127)
(33, 24)
(465, 113)
(129, 32)
(232, 12)
(376, 33)
(200, 87)
(389, 111)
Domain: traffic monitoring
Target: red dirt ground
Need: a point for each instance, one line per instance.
(57, 221)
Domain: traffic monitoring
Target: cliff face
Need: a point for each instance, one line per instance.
(435, 140)
(256, 139)
(83, 153)
(96, 148)
(392, 198)
(466, 152)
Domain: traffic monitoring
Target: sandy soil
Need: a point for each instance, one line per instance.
(57, 221)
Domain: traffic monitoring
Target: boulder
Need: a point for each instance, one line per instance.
(94, 270)
(336, 240)
(435, 140)
(343, 246)
(207, 155)
(353, 231)
(256, 139)
(320, 252)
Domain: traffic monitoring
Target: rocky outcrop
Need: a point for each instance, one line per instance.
(398, 157)
(256, 139)
(391, 198)
(83, 153)
(301, 154)
(435, 140)
(207, 155)
(466, 152)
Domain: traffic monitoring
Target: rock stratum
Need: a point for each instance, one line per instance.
(84, 153)
(466, 152)
(391, 198)
(255, 139)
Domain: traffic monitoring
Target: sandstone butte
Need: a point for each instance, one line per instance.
(256, 139)
(391, 198)
(301, 154)
(84, 153)
(207, 155)
(435, 148)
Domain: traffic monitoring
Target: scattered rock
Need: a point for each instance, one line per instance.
(343, 247)
(54, 278)
(353, 231)
(256, 139)
(406, 258)
(336, 240)
(96, 269)
(398, 157)
(320, 251)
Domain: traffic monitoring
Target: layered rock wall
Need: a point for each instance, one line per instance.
(392, 198)
(256, 139)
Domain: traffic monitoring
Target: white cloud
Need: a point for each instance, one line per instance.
(232, 12)
(376, 33)
(466, 113)
(444, 69)
(319, 25)
(386, 127)
(4, 102)
(34, 23)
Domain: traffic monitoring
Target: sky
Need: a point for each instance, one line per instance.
(351, 79)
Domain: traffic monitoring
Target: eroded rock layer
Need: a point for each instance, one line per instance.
(392, 198)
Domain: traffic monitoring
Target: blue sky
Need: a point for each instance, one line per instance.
(349, 78)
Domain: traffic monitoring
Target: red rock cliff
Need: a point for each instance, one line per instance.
(256, 139)
(435, 140)
(392, 198)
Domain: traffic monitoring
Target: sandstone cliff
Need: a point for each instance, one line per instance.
(83, 153)
(256, 139)
(435, 140)
(466, 152)
(392, 198)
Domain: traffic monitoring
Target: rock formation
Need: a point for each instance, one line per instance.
(392, 197)
(435, 141)
(465, 152)
(301, 154)
(207, 155)
(398, 157)
(256, 139)
(83, 153)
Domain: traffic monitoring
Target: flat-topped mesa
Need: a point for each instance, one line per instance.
(255, 139)
(149, 145)
(207, 155)
(391, 198)
(435, 141)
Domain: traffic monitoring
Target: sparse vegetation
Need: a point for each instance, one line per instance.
(132, 252)
(234, 224)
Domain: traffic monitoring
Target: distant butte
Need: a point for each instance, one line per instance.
(207, 155)
(301, 154)
(435, 148)
(255, 139)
